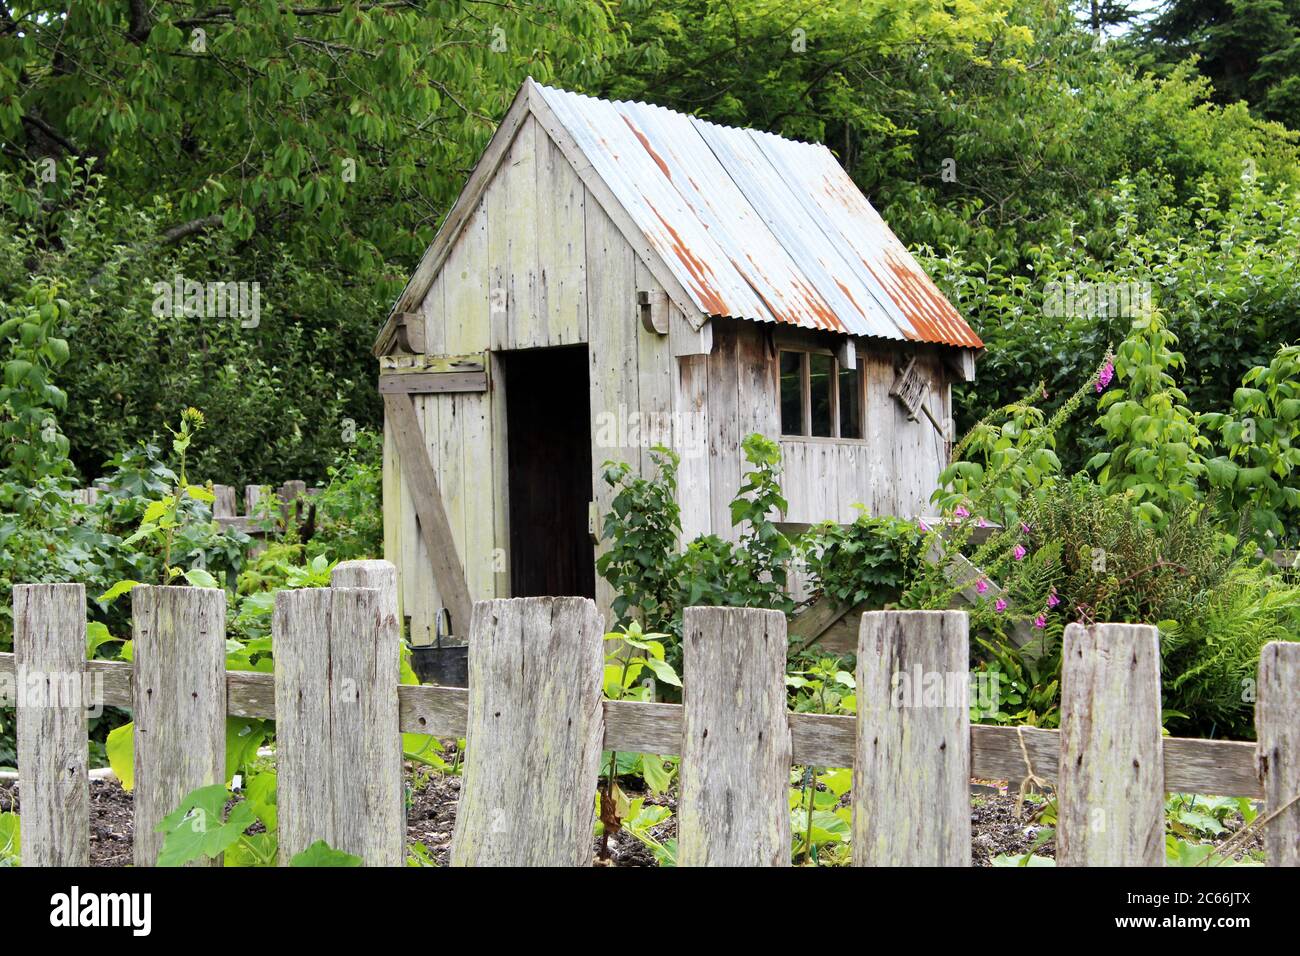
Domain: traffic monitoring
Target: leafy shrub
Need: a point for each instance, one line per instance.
(870, 560)
(1261, 435)
(349, 520)
(1156, 449)
(1210, 654)
(653, 580)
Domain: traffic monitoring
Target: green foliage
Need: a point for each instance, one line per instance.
(349, 510)
(1157, 449)
(1248, 48)
(870, 560)
(1012, 687)
(634, 653)
(212, 821)
(1259, 477)
(642, 528)
(654, 581)
(10, 840)
(1210, 653)
(1009, 454)
(321, 853)
(821, 685)
(31, 445)
(200, 829)
(1219, 260)
(820, 818)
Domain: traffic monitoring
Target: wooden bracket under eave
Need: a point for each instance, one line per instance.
(961, 361)
(654, 310)
(410, 332)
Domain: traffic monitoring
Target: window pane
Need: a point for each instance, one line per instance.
(791, 393)
(850, 397)
(820, 372)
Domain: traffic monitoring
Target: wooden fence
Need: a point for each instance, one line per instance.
(537, 724)
(226, 509)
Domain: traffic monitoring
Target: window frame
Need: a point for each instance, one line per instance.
(804, 351)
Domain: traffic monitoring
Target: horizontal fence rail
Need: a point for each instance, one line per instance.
(1192, 765)
(536, 723)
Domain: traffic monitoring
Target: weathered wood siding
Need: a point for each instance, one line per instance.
(541, 263)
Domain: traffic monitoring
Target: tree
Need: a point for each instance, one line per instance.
(311, 149)
(1250, 50)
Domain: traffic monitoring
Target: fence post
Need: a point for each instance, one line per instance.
(367, 740)
(179, 707)
(1111, 780)
(536, 726)
(223, 505)
(50, 654)
(733, 808)
(911, 774)
(253, 496)
(338, 747)
(1277, 727)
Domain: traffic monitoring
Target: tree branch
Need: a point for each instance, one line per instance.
(185, 229)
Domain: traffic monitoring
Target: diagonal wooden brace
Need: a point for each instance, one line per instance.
(422, 480)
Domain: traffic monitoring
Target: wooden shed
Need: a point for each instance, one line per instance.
(615, 276)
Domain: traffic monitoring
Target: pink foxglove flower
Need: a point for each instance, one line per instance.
(1019, 552)
(1000, 606)
(1040, 622)
(981, 585)
(925, 528)
(1107, 373)
(982, 523)
(1052, 599)
(961, 512)
(1024, 527)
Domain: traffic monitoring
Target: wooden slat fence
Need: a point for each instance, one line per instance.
(225, 509)
(536, 724)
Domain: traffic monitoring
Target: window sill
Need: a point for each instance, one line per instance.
(818, 440)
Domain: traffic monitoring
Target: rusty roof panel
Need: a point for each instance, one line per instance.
(855, 227)
(731, 221)
(758, 227)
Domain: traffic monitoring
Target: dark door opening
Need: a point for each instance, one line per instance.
(548, 429)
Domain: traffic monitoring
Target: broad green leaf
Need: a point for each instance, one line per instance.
(321, 853)
(117, 590)
(201, 578)
(120, 747)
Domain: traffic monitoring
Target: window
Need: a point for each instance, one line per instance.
(819, 398)
(791, 393)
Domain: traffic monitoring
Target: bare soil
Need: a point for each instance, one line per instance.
(996, 828)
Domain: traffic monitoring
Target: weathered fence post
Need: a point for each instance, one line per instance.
(372, 748)
(338, 748)
(1111, 780)
(733, 808)
(1277, 728)
(179, 703)
(911, 774)
(50, 656)
(223, 505)
(535, 730)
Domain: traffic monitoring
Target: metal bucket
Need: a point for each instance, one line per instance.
(446, 665)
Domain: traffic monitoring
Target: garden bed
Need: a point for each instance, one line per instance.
(996, 828)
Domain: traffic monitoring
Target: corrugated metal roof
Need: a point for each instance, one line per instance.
(759, 227)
